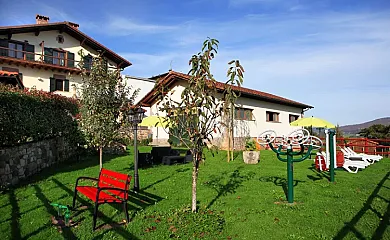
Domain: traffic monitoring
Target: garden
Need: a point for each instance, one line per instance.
(48, 141)
(235, 201)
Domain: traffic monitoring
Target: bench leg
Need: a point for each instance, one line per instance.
(74, 199)
(95, 211)
(126, 211)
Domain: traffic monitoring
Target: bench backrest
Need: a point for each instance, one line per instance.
(108, 178)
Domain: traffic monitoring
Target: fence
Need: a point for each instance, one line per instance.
(366, 145)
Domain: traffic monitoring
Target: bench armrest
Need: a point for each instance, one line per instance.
(85, 178)
(109, 188)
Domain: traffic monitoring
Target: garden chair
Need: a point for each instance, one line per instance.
(369, 156)
(349, 156)
(352, 166)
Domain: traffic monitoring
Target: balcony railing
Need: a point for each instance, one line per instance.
(44, 59)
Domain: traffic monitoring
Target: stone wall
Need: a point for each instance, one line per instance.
(20, 162)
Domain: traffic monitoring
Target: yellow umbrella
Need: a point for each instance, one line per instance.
(312, 122)
(154, 121)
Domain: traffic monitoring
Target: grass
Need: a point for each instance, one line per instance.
(236, 201)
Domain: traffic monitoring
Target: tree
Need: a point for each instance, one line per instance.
(104, 94)
(198, 114)
(377, 131)
(235, 75)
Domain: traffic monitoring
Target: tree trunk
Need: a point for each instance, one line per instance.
(228, 137)
(101, 157)
(231, 124)
(195, 171)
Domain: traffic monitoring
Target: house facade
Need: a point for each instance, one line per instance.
(46, 55)
(144, 85)
(255, 111)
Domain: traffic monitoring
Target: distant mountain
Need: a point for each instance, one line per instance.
(355, 128)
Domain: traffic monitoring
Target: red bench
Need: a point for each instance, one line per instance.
(112, 187)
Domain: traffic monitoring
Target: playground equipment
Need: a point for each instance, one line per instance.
(301, 138)
(63, 212)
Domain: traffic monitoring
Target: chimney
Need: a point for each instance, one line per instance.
(74, 25)
(42, 19)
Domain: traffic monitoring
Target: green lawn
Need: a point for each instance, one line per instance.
(236, 201)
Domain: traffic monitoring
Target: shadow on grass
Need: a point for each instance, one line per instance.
(318, 175)
(384, 218)
(223, 187)
(66, 232)
(281, 182)
(163, 179)
(140, 200)
(15, 228)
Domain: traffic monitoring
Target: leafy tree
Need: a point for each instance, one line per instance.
(198, 113)
(104, 94)
(235, 75)
(377, 131)
(339, 133)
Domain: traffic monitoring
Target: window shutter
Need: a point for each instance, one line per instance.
(66, 85)
(31, 55)
(70, 61)
(52, 84)
(48, 53)
(21, 77)
(3, 44)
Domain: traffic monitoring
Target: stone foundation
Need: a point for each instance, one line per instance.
(20, 162)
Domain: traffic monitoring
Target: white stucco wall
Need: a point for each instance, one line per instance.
(144, 84)
(243, 128)
(175, 95)
(40, 78)
(259, 123)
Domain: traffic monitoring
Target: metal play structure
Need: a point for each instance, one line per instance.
(285, 151)
(326, 161)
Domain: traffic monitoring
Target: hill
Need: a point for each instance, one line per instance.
(355, 128)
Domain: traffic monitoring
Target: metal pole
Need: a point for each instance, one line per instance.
(331, 154)
(290, 176)
(136, 180)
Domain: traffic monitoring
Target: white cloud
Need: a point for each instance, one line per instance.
(121, 26)
(336, 62)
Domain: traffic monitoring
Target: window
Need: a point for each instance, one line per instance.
(272, 116)
(87, 62)
(58, 58)
(15, 50)
(59, 83)
(293, 118)
(243, 114)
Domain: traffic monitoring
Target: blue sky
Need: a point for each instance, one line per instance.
(332, 54)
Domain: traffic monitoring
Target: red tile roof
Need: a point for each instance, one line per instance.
(6, 73)
(12, 74)
(171, 77)
(72, 30)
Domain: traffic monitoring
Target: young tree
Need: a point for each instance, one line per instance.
(235, 75)
(104, 94)
(197, 115)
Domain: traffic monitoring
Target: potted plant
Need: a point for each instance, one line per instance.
(250, 155)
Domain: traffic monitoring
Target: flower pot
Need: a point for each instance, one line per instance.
(251, 157)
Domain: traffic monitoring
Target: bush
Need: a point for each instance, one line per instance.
(31, 115)
(250, 144)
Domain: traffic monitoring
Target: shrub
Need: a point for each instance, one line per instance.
(31, 115)
(250, 144)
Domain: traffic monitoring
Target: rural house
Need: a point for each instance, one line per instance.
(46, 56)
(256, 111)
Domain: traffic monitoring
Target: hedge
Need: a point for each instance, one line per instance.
(31, 115)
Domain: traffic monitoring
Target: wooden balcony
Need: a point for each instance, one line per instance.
(41, 61)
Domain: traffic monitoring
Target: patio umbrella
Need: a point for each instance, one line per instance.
(154, 121)
(312, 122)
